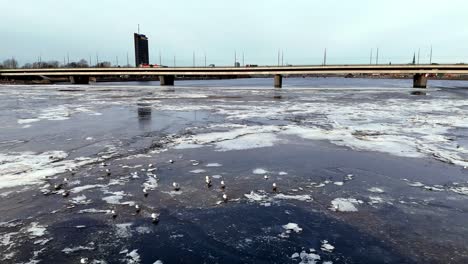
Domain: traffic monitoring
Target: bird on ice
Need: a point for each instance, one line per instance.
(114, 214)
(208, 181)
(176, 186)
(155, 218)
(58, 186)
(223, 185)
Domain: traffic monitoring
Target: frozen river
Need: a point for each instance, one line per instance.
(366, 171)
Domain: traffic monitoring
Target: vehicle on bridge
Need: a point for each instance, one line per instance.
(151, 66)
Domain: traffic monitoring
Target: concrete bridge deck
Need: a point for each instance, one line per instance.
(167, 74)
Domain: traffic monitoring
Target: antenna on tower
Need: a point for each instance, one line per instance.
(138, 29)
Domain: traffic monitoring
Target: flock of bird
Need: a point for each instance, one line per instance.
(60, 188)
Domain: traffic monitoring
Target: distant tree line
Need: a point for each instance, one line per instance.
(13, 64)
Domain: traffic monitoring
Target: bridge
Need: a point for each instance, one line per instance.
(167, 74)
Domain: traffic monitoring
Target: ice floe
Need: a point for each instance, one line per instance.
(326, 246)
(116, 197)
(78, 248)
(247, 137)
(383, 126)
(151, 183)
(345, 204)
(36, 230)
(94, 211)
(28, 168)
(260, 171)
(460, 190)
(293, 227)
(132, 257)
(305, 197)
(375, 200)
(86, 187)
(376, 190)
(28, 120)
(213, 165)
(123, 230)
(256, 197)
(198, 171)
(81, 199)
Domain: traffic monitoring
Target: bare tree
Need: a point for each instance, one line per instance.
(10, 63)
(48, 64)
(104, 64)
(82, 64)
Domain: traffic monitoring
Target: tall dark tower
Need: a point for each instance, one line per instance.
(141, 49)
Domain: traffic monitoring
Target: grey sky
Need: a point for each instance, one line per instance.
(301, 28)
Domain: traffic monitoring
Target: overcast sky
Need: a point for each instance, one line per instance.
(218, 28)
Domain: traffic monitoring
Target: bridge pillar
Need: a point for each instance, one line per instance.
(166, 80)
(79, 79)
(420, 80)
(278, 81)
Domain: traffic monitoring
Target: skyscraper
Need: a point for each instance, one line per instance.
(141, 49)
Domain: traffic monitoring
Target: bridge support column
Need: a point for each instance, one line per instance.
(419, 81)
(278, 81)
(166, 80)
(79, 79)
